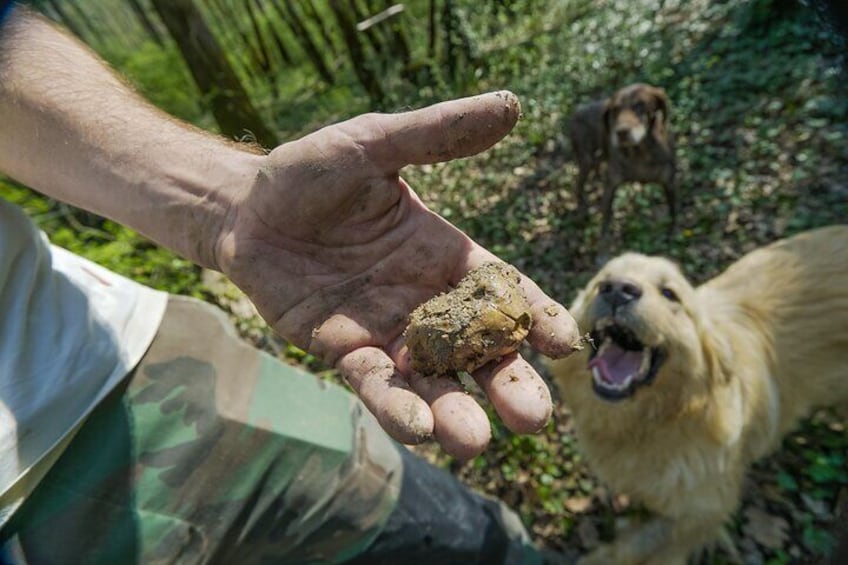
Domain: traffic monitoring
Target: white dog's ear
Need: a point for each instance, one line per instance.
(725, 415)
(716, 350)
(578, 305)
(725, 410)
(717, 359)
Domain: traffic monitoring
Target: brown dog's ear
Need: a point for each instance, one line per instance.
(607, 118)
(663, 104)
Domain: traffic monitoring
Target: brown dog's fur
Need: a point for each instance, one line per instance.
(629, 131)
(746, 355)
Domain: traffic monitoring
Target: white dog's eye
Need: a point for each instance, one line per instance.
(670, 294)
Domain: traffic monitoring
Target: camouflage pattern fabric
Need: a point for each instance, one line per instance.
(214, 452)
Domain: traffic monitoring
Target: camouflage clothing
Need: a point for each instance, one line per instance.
(214, 452)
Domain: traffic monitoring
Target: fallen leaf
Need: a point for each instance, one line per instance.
(620, 502)
(766, 529)
(817, 507)
(578, 504)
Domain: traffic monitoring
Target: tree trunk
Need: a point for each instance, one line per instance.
(431, 35)
(308, 8)
(399, 39)
(117, 23)
(212, 72)
(451, 54)
(56, 6)
(263, 60)
(459, 48)
(298, 27)
(81, 16)
(145, 21)
(355, 49)
(282, 50)
(232, 21)
(223, 19)
(371, 34)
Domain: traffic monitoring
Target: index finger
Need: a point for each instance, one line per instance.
(444, 131)
(554, 331)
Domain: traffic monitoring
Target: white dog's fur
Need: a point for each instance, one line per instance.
(745, 356)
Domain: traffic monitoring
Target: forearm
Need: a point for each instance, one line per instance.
(71, 129)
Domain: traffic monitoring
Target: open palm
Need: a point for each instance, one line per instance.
(336, 250)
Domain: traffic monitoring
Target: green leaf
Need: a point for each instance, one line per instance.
(787, 481)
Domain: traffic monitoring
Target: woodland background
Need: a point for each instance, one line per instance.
(760, 112)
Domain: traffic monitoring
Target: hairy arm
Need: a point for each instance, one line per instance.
(71, 129)
(333, 247)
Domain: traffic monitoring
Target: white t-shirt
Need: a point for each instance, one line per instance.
(70, 331)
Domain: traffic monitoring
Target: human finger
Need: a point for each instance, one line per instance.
(519, 395)
(554, 331)
(441, 132)
(385, 392)
(460, 425)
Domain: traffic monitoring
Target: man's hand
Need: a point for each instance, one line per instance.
(330, 243)
(336, 250)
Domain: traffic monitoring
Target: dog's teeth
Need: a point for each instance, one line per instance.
(623, 384)
(604, 344)
(646, 362)
(598, 377)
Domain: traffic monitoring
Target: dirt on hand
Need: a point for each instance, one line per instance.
(484, 318)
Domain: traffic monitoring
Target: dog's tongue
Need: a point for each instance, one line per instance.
(616, 364)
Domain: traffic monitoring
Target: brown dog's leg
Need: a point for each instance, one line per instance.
(670, 188)
(582, 176)
(611, 182)
(604, 240)
(585, 164)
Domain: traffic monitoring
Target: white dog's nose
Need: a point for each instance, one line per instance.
(618, 292)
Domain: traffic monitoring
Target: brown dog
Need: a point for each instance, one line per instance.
(688, 386)
(630, 132)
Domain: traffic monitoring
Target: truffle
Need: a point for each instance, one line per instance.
(484, 318)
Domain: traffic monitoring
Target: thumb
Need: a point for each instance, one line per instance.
(445, 131)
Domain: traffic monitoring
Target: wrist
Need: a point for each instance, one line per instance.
(213, 191)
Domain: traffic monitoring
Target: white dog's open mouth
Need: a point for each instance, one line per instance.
(621, 363)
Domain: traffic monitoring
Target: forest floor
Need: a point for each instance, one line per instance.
(759, 112)
(760, 115)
